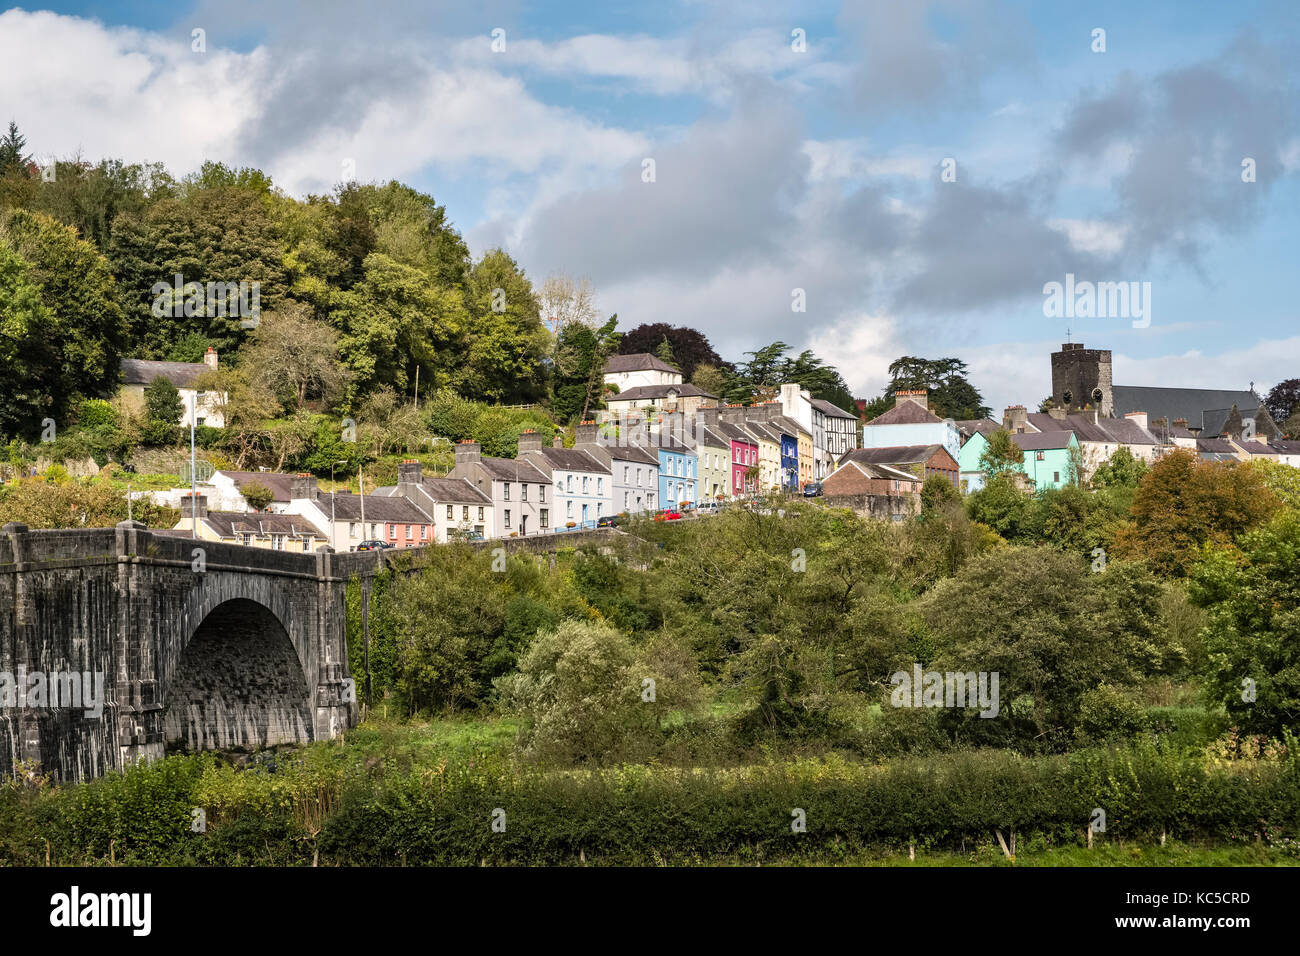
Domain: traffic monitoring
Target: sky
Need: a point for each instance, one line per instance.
(919, 170)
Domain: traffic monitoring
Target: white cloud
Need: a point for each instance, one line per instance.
(140, 95)
(1092, 236)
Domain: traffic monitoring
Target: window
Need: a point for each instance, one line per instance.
(507, 517)
(638, 477)
(568, 508)
(1056, 476)
(352, 529)
(450, 512)
(306, 543)
(545, 517)
(625, 494)
(392, 531)
(523, 492)
(410, 532)
(506, 497)
(464, 512)
(277, 542)
(424, 532)
(568, 483)
(480, 511)
(584, 484)
(625, 471)
(600, 486)
(248, 538)
(1040, 456)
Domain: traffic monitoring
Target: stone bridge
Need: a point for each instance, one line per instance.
(231, 647)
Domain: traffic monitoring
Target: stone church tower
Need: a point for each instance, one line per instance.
(1082, 377)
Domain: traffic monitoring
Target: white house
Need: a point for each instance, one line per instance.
(138, 374)
(583, 485)
(456, 506)
(639, 370)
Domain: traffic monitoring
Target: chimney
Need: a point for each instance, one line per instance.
(1180, 423)
(187, 504)
(529, 440)
(708, 414)
(303, 485)
(585, 433)
(1015, 419)
(557, 441)
(210, 357)
(409, 472)
(1089, 414)
(1058, 413)
(468, 450)
(1139, 417)
(920, 397)
(733, 414)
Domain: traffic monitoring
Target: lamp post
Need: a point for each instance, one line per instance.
(194, 494)
(333, 494)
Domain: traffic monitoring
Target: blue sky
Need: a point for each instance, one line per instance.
(775, 169)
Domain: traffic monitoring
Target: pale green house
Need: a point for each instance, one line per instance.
(1046, 463)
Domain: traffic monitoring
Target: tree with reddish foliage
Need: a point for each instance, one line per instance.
(1183, 503)
(1283, 400)
(689, 347)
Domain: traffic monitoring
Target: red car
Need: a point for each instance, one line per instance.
(668, 516)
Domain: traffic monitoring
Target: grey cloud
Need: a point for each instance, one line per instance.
(723, 197)
(902, 64)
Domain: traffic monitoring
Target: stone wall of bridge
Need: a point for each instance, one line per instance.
(125, 604)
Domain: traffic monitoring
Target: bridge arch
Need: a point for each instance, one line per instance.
(239, 681)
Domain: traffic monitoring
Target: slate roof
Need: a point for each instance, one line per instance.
(906, 413)
(606, 454)
(788, 425)
(230, 524)
(984, 426)
(180, 374)
(1218, 446)
(1216, 418)
(1285, 446)
(512, 469)
(565, 459)
(279, 484)
(713, 437)
(395, 509)
(827, 408)
(643, 392)
(1255, 448)
(443, 491)
(1174, 403)
(1120, 431)
(734, 432)
(637, 362)
(854, 477)
(897, 455)
(1042, 441)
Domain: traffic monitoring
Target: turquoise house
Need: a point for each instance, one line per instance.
(1047, 459)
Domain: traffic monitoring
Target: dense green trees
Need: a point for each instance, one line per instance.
(951, 395)
(69, 346)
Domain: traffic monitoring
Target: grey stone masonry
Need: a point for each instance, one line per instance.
(210, 644)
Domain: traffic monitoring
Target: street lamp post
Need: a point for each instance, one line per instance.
(194, 494)
(333, 494)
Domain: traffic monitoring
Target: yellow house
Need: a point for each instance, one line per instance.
(254, 529)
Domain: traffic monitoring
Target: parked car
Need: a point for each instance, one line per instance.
(607, 521)
(668, 516)
(813, 489)
(373, 545)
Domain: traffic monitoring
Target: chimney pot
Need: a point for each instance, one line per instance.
(210, 357)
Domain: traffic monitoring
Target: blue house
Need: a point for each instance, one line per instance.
(678, 471)
(910, 422)
(789, 461)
